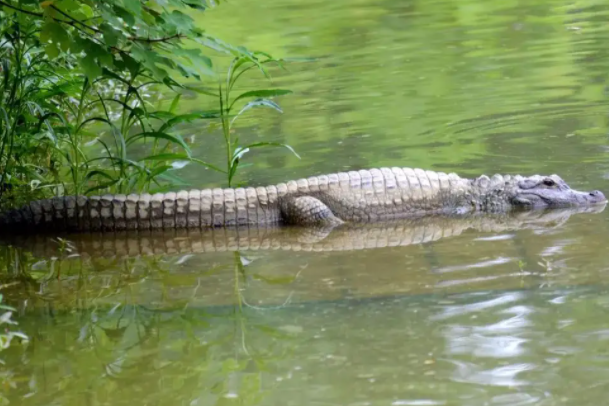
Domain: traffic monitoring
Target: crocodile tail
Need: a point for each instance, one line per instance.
(57, 214)
(184, 209)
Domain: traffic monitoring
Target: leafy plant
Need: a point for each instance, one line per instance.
(239, 66)
(26, 137)
(79, 76)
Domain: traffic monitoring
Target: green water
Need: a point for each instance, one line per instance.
(477, 317)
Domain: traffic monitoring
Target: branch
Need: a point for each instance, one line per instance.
(151, 40)
(74, 21)
(98, 31)
(32, 13)
(92, 36)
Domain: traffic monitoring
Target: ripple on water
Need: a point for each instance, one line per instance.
(506, 375)
(451, 311)
(515, 399)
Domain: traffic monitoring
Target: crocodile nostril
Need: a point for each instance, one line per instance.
(597, 193)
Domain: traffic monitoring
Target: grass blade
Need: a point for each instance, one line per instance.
(261, 93)
(187, 118)
(257, 103)
(174, 103)
(272, 144)
(181, 157)
(159, 136)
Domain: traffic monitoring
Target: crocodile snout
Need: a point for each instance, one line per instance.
(596, 196)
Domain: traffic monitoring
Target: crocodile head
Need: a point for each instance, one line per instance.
(550, 192)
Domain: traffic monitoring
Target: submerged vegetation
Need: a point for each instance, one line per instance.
(90, 95)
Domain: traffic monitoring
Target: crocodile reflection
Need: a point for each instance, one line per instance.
(340, 238)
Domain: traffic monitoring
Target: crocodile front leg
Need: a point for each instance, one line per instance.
(306, 210)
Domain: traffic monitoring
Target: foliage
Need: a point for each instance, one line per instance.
(79, 97)
(240, 65)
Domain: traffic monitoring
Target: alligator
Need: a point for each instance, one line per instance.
(352, 197)
(347, 237)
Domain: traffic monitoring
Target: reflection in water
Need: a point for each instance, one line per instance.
(342, 238)
(119, 351)
(292, 265)
(199, 320)
(395, 350)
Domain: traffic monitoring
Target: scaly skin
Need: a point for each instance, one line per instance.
(128, 244)
(354, 197)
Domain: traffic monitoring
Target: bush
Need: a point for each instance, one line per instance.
(77, 78)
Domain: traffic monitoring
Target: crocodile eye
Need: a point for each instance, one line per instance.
(549, 182)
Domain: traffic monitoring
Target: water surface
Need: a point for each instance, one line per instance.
(435, 314)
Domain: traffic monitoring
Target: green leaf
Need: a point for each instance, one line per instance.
(7, 122)
(187, 118)
(241, 151)
(200, 90)
(257, 103)
(174, 179)
(102, 55)
(90, 67)
(86, 10)
(150, 17)
(124, 14)
(207, 165)
(234, 66)
(238, 153)
(165, 157)
(101, 186)
(177, 22)
(134, 6)
(261, 93)
(158, 171)
(46, 33)
(159, 136)
(127, 62)
(51, 50)
(101, 173)
(233, 170)
(272, 144)
(55, 32)
(175, 102)
(183, 157)
(113, 75)
(110, 34)
(197, 5)
(149, 59)
(161, 115)
(188, 72)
